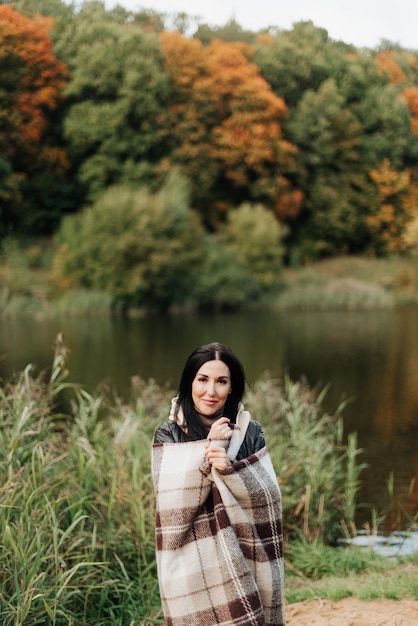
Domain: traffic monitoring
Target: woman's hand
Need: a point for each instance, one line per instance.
(217, 456)
(220, 430)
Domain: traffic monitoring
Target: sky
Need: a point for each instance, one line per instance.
(363, 23)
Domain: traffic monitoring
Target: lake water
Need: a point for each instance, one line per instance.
(370, 357)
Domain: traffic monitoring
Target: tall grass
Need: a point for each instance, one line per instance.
(318, 471)
(77, 504)
(77, 513)
(351, 283)
(313, 291)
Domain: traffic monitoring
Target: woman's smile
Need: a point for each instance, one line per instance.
(210, 388)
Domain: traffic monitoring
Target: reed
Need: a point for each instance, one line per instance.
(77, 504)
(77, 511)
(315, 292)
(350, 282)
(318, 472)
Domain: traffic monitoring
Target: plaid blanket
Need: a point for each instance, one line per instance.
(219, 541)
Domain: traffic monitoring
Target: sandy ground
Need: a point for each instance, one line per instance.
(353, 612)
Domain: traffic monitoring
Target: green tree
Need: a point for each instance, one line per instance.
(243, 261)
(141, 248)
(231, 31)
(255, 235)
(304, 66)
(337, 189)
(224, 283)
(373, 94)
(62, 12)
(116, 94)
(347, 117)
(385, 121)
(301, 59)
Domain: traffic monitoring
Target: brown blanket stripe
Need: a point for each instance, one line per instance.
(219, 539)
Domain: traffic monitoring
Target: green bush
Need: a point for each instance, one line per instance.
(223, 281)
(254, 235)
(243, 262)
(138, 247)
(17, 277)
(18, 294)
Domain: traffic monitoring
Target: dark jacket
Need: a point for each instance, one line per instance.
(170, 432)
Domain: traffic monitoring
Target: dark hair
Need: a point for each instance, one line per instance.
(210, 352)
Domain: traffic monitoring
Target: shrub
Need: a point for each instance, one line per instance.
(17, 276)
(223, 281)
(138, 247)
(255, 236)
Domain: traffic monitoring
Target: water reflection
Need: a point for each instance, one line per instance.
(397, 545)
(370, 357)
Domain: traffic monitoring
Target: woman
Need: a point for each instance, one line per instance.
(219, 540)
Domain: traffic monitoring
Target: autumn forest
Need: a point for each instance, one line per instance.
(155, 128)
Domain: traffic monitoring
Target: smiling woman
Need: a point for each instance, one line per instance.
(208, 405)
(219, 558)
(210, 388)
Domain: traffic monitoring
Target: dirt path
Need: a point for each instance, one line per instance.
(353, 612)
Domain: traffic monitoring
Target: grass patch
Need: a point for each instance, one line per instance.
(325, 294)
(317, 560)
(351, 283)
(380, 578)
(81, 303)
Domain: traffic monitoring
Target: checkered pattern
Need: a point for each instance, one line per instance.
(219, 540)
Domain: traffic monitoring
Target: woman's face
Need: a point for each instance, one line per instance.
(210, 388)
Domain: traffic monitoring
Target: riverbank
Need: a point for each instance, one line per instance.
(375, 580)
(344, 283)
(351, 283)
(386, 598)
(353, 612)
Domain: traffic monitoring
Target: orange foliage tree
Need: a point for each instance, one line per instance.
(32, 79)
(410, 95)
(398, 197)
(225, 127)
(387, 64)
